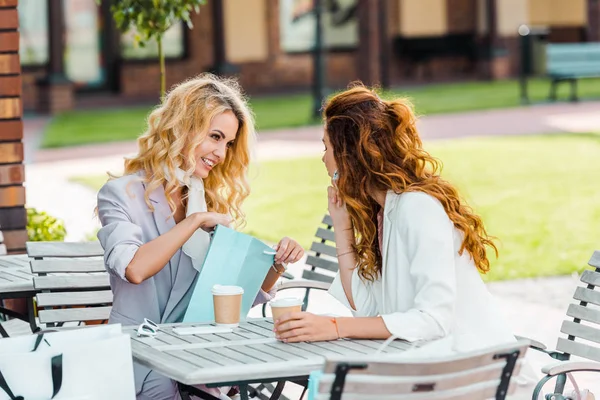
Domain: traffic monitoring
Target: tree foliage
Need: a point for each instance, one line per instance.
(151, 19)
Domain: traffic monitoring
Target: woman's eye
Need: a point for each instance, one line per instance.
(215, 136)
(229, 145)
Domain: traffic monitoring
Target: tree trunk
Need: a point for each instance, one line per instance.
(161, 58)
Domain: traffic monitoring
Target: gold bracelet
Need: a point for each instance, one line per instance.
(276, 270)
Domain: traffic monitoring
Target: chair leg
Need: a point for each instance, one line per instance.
(574, 90)
(186, 392)
(3, 332)
(561, 381)
(558, 389)
(277, 393)
(31, 314)
(183, 393)
(539, 387)
(305, 300)
(244, 392)
(553, 86)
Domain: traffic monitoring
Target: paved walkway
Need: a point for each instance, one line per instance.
(535, 307)
(538, 119)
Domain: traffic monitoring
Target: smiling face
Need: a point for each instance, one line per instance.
(213, 149)
(328, 159)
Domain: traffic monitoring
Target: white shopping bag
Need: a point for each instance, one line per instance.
(88, 363)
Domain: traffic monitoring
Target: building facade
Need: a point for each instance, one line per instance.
(70, 48)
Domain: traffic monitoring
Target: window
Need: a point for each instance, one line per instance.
(33, 29)
(173, 45)
(82, 48)
(297, 24)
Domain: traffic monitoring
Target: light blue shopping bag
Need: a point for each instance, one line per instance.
(233, 258)
(313, 384)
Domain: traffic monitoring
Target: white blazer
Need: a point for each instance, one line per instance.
(427, 291)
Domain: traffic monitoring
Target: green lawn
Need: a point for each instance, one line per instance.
(539, 195)
(97, 126)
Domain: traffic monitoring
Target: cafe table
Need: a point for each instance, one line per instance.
(16, 281)
(250, 354)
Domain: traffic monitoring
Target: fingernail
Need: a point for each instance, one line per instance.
(284, 340)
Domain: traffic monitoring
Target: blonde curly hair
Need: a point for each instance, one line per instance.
(175, 129)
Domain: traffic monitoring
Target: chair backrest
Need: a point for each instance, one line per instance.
(40, 250)
(477, 375)
(585, 325)
(323, 265)
(71, 290)
(573, 59)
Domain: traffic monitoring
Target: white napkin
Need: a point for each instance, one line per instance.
(196, 246)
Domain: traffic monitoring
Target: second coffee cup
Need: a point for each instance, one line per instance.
(285, 305)
(227, 304)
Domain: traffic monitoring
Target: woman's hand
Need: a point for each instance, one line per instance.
(288, 251)
(305, 327)
(337, 209)
(208, 220)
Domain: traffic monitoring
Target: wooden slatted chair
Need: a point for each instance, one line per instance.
(318, 274)
(40, 250)
(72, 281)
(71, 290)
(583, 335)
(478, 375)
(321, 266)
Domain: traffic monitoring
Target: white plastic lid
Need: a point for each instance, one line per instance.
(286, 302)
(223, 290)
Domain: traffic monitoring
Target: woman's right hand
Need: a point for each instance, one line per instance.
(208, 220)
(337, 209)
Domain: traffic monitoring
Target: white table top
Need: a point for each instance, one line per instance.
(250, 353)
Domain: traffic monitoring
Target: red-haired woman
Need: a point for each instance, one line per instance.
(410, 251)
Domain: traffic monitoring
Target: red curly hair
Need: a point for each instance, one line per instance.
(377, 148)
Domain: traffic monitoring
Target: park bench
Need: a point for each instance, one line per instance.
(583, 334)
(321, 264)
(568, 62)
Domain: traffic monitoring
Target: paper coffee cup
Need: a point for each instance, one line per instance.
(285, 305)
(227, 301)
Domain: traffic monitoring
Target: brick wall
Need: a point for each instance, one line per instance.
(13, 218)
(282, 71)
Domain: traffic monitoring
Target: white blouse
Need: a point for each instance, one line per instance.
(427, 291)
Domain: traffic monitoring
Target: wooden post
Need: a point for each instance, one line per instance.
(369, 44)
(55, 92)
(13, 217)
(593, 26)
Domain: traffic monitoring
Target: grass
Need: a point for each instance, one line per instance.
(539, 195)
(274, 112)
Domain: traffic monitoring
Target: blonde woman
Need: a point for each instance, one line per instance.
(188, 176)
(410, 250)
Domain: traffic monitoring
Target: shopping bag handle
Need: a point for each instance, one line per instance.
(57, 377)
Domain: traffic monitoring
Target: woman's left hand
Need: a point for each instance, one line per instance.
(305, 327)
(288, 251)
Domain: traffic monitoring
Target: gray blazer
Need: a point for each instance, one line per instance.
(127, 223)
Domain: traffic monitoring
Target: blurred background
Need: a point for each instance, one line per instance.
(77, 86)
